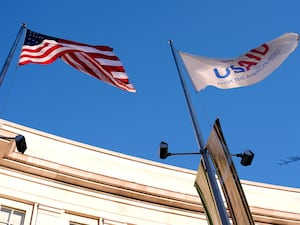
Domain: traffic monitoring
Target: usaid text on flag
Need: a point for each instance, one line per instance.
(248, 69)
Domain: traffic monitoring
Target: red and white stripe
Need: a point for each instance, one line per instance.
(97, 61)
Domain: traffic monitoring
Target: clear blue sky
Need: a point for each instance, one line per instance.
(63, 101)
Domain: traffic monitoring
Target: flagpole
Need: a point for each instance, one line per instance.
(200, 142)
(11, 53)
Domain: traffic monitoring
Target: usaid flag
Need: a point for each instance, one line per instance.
(245, 70)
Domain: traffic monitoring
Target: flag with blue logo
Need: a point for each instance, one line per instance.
(248, 69)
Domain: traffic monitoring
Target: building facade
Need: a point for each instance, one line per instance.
(63, 182)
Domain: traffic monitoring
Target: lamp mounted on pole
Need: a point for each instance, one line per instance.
(246, 157)
(164, 151)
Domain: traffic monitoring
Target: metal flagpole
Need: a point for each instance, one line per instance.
(11, 53)
(198, 134)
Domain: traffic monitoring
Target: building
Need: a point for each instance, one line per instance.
(63, 182)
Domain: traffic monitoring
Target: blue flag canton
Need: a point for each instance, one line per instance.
(32, 38)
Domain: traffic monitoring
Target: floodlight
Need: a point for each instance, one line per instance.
(247, 158)
(163, 150)
(20, 142)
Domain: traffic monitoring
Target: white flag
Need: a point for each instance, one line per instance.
(245, 70)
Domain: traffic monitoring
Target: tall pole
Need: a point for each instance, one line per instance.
(216, 191)
(11, 53)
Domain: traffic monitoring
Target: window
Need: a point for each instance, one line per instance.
(74, 223)
(80, 220)
(14, 212)
(9, 216)
(111, 222)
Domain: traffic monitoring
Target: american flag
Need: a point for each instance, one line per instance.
(97, 61)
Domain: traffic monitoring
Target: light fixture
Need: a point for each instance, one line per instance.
(20, 142)
(247, 157)
(164, 151)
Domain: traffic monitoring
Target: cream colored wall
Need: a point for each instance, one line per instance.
(61, 199)
(129, 190)
(108, 163)
(56, 200)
